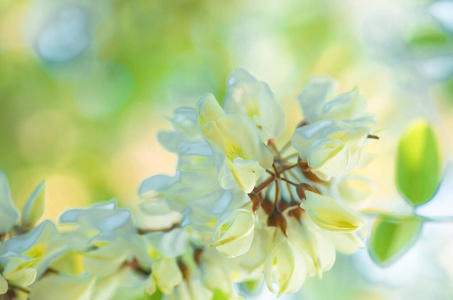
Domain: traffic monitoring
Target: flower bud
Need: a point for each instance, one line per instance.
(285, 265)
(303, 165)
(256, 200)
(295, 210)
(233, 233)
(166, 274)
(329, 214)
(301, 188)
(268, 206)
(305, 168)
(282, 205)
(276, 219)
(185, 270)
(197, 252)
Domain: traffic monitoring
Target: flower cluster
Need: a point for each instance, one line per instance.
(244, 202)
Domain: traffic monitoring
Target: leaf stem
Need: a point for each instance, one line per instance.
(290, 156)
(18, 287)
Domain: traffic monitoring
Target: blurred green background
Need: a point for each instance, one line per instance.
(85, 85)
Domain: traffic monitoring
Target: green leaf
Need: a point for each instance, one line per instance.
(430, 37)
(34, 207)
(252, 287)
(391, 237)
(156, 296)
(219, 295)
(418, 163)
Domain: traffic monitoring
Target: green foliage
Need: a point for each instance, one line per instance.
(156, 296)
(430, 37)
(219, 295)
(418, 163)
(391, 237)
(252, 286)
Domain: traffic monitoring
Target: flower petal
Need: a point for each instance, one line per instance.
(329, 214)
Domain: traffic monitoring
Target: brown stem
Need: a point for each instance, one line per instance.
(288, 181)
(286, 168)
(167, 229)
(270, 172)
(18, 287)
(277, 191)
(134, 265)
(275, 150)
(290, 156)
(264, 184)
(275, 170)
(290, 172)
(285, 146)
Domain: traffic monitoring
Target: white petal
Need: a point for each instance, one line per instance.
(329, 214)
(155, 183)
(9, 216)
(106, 259)
(208, 109)
(288, 266)
(34, 207)
(150, 285)
(315, 94)
(247, 95)
(234, 232)
(167, 275)
(170, 244)
(349, 105)
(3, 285)
(57, 287)
(246, 173)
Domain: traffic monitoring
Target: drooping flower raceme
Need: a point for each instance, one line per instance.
(243, 203)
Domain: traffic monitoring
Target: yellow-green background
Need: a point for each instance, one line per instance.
(85, 85)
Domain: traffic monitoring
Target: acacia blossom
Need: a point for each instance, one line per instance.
(244, 205)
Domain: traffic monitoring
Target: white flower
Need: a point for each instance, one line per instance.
(26, 257)
(238, 139)
(103, 218)
(217, 222)
(251, 263)
(330, 215)
(217, 272)
(233, 233)
(160, 251)
(332, 148)
(185, 138)
(191, 289)
(286, 265)
(171, 244)
(196, 195)
(318, 249)
(318, 102)
(247, 95)
(57, 287)
(166, 274)
(107, 256)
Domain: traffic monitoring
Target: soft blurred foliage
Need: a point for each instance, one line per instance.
(85, 85)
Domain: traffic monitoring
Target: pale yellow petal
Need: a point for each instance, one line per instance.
(329, 214)
(3, 285)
